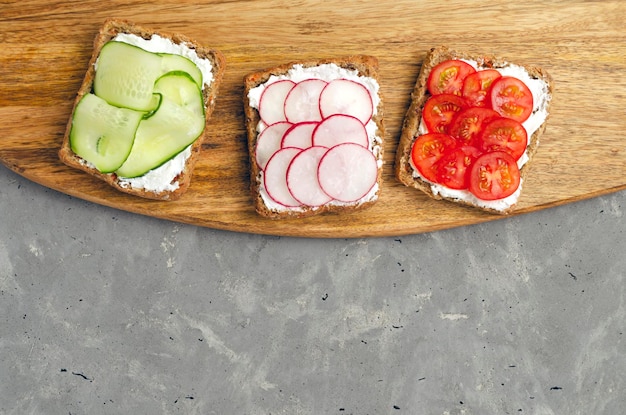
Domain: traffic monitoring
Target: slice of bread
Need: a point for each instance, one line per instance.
(408, 175)
(363, 69)
(178, 182)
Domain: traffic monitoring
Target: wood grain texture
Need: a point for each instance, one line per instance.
(582, 44)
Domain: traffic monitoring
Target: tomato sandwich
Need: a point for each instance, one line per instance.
(315, 136)
(472, 128)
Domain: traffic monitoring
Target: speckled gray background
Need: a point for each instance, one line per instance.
(108, 312)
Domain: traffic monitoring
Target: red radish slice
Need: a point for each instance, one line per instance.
(338, 129)
(302, 102)
(272, 101)
(347, 172)
(343, 96)
(275, 177)
(302, 177)
(299, 135)
(268, 142)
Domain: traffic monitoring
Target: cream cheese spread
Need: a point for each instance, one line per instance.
(541, 99)
(161, 178)
(326, 72)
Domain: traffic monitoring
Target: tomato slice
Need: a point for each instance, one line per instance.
(427, 150)
(468, 124)
(511, 98)
(505, 134)
(452, 170)
(476, 87)
(494, 176)
(447, 77)
(439, 111)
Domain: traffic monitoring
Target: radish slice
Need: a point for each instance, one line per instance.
(347, 172)
(299, 135)
(272, 101)
(302, 177)
(343, 96)
(268, 142)
(338, 129)
(275, 177)
(302, 102)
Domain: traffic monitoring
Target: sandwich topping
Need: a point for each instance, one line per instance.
(317, 142)
(475, 129)
(144, 112)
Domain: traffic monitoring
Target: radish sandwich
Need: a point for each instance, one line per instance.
(315, 136)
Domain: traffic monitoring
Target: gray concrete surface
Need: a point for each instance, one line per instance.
(107, 312)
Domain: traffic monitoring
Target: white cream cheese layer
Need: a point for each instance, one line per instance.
(326, 72)
(541, 98)
(160, 179)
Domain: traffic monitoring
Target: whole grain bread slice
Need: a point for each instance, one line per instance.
(403, 168)
(107, 32)
(366, 66)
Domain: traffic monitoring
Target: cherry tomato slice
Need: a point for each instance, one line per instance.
(468, 124)
(476, 87)
(494, 176)
(511, 98)
(439, 111)
(427, 150)
(447, 77)
(505, 134)
(452, 170)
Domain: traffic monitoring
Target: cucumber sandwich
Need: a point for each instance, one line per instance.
(140, 116)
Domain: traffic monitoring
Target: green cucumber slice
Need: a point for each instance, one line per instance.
(172, 62)
(175, 85)
(125, 76)
(177, 123)
(103, 134)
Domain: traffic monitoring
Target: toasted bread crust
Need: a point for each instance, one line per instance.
(108, 31)
(366, 66)
(403, 169)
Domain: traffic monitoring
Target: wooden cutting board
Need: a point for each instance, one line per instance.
(46, 47)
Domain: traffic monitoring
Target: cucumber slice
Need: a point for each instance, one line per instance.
(171, 62)
(125, 76)
(175, 85)
(177, 123)
(103, 134)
